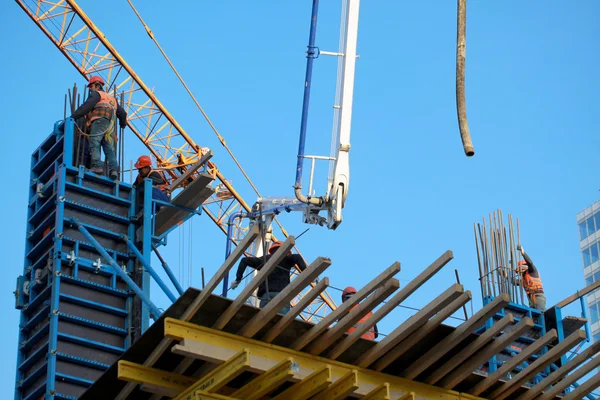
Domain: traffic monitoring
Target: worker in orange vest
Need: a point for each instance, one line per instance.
(100, 110)
(159, 182)
(373, 332)
(531, 282)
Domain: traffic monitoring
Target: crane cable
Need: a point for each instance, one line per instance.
(221, 139)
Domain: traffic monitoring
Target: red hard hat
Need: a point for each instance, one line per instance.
(348, 290)
(274, 247)
(143, 161)
(95, 79)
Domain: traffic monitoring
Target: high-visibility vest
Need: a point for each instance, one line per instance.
(532, 285)
(370, 334)
(105, 108)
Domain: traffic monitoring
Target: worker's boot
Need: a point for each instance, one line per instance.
(98, 171)
(114, 175)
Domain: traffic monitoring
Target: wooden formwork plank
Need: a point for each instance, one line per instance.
(308, 387)
(288, 318)
(570, 379)
(527, 352)
(561, 372)
(409, 326)
(456, 337)
(339, 312)
(545, 360)
(584, 389)
(202, 395)
(341, 388)
(467, 368)
(198, 302)
(285, 296)
(408, 343)
(455, 362)
(379, 393)
(266, 382)
(264, 272)
(351, 319)
(390, 305)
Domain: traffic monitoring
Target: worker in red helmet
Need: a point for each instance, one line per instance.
(277, 280)
(159, 182)
(100, 110)
(531, 282)
(373, 332)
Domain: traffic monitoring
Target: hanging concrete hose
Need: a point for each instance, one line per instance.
(461, 107)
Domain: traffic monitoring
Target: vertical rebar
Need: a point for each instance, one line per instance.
(479, 261)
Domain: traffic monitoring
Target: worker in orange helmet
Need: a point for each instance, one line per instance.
(100, 110)
(373, 332)
(531, 282)
(277, 280)
(159, 182)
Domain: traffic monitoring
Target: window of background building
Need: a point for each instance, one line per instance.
(594, 313)
(589, 226)
(597, 337)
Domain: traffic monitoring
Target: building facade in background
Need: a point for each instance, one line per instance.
(589, 243)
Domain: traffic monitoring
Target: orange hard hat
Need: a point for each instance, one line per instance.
(95, 79)
(348, 290)
(522, 262)
(274, 246)
(143, 161)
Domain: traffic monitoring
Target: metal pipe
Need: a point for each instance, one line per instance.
(168, 270)
(310, 57)
(149, 268)
(232, 217)
(584, 314)
(461, 108)
(139, 292)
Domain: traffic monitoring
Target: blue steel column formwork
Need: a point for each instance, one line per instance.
(76, 313)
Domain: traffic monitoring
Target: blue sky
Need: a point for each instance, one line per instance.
(531, 100)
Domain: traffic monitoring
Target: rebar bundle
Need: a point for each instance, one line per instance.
(497, 256)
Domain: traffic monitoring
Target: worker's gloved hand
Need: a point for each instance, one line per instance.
(235, 284)
(123, 126)
(521, 249)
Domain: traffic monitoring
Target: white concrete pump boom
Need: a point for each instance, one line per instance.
(339, 175)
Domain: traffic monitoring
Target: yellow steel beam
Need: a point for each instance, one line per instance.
(308, 386)
(341, 388)
(219, 377)
(267, 382)
(380, 393)
(217, 345)
(408, 396)
(132, 372)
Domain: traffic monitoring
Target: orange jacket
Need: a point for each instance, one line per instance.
(371, 334)
(532, 285)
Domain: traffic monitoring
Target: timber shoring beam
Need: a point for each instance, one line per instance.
(512, 363)
(561, 372)
(288, 318)
(262, 275)
(456, 337)
(467, 368)
(455, 362)
(409, 326)
(397, 299)
(507, 388)
(193, 308)
(346, 306)
(422, 332)
(584, 389)
(285, 296)
(351, 319)
(570, 379)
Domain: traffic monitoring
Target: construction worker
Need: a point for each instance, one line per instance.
(373, 332)
(277, 280)
(531, 282)
(159, 182)
(100, 110)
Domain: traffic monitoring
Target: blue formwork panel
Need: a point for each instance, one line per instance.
(76, 316)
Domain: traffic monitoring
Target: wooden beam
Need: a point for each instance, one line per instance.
(578, 294)
(456, 362)
(188, 172)
(561, 372)
(285, 296)
(197, 303)
(288, 318)
(308, 386)
(579, 373)
(260, 277)
(266, 382)
(508, 388)
(390, 305)
(339, 312)
(340, 389)
(512, 363)
(423, 331)
(202, 395)
(467, 368)
(379, 393)
(132, 372)
(456, 337)
(409, 326)
(584, 389)
(352, 318)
